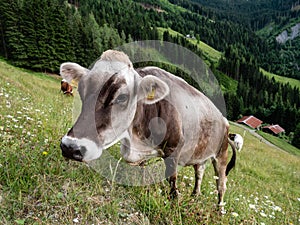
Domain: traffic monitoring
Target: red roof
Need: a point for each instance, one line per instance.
(276, 129)
(251, 121)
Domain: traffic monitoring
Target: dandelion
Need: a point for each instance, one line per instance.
(45, 153)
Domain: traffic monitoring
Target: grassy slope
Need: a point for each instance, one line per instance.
(208, 51)
(284, 80)
(227, 83)
(39, 186)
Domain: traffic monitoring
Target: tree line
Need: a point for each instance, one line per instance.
(40, 35)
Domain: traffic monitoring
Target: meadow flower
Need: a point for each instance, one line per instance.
(263, 214)
(277, 208)
(252, 206)
(234, 214)
(45, 153)
(216, 177)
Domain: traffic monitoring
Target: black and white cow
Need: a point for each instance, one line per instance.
(153, 113)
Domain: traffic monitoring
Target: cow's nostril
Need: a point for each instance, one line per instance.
(71, 152)
(77, 155)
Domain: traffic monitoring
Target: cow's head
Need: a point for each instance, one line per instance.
(109, 93)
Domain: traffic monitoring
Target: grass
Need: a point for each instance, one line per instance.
(208, 51)
(281, 79)
(280, 143)
(38, 186)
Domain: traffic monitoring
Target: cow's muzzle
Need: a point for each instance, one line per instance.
(72, 153)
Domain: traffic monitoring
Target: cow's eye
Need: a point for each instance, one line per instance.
(121, 98)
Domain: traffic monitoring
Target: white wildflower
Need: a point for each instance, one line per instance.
(263, 214)
(252, 206)
(216, 177)
(277, 208)
(76, 220)
(234, 214)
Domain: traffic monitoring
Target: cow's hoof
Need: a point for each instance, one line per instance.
(195, 193)
(174, 194)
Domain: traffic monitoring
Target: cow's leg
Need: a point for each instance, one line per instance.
(171, 175)
(220, 180)
(199, 172)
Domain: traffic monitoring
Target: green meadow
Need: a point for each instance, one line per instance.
(38, 186)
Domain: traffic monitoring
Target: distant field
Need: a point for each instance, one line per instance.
(38, 186)
(281, 79)
(210, 52)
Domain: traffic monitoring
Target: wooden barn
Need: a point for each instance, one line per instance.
(273, 129)
(250, 121)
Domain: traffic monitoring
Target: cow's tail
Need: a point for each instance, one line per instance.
(231, 163)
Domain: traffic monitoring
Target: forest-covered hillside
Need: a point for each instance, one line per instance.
(40, 35)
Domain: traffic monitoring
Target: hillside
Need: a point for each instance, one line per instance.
(284, 38)
(39, 187)
(42, 35)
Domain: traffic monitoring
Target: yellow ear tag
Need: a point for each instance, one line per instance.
(151, 94)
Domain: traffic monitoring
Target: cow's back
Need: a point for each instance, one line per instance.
(202, 124)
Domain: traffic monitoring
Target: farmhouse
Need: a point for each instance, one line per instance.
(273, 129)
(250, 121)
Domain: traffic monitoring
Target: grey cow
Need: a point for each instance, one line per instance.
(153, 113)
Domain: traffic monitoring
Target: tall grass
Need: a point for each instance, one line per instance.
(38, 186)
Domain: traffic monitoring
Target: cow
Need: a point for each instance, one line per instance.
(153, 113)
(238, 141)
(66, 88)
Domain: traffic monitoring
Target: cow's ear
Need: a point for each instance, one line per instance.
(152, 89)
(72, 71)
